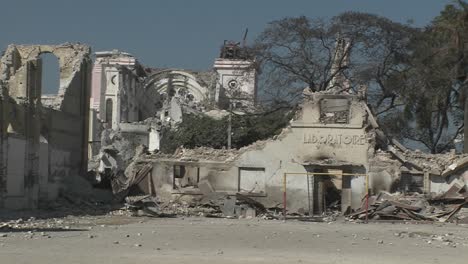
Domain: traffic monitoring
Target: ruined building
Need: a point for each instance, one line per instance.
(330, 134)
(236, 84)
(333, 153)
(118, 97)
(138, 101)
(43, 139)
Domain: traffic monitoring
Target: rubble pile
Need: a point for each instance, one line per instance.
(119, 162)
(217, 205)
(197, 154)
(434, 163)
(447, 207)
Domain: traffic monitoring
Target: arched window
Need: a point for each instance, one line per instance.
(109, 105)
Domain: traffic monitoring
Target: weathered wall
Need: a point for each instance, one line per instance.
(50, 139)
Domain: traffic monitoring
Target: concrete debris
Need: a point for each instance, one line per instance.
(199, 154)
(194, 173)
(217, 205)
(252, 203)
(417, 207)
(144, 206)
(119, 162)
(438, 164)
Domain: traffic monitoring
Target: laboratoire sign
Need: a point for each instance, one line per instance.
(334, 139)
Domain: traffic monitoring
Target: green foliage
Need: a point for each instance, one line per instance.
(195, 131)
(249, 128)
(200, 130)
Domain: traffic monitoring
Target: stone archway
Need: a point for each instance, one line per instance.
(179, 83)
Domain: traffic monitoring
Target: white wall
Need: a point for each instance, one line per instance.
(154, 140)
(15, 166)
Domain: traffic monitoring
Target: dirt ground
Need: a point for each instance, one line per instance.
(123, 239)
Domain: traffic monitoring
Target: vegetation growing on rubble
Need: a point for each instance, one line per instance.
(200, 130)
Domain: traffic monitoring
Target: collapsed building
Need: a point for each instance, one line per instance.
(43, 139)
(124, 92)
(131, 104)
(333, 154)
(312, 143)
(117, 96)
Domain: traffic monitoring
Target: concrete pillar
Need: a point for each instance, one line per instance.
(32, 133)
(319, 199)
(358, 189)
(346, 194)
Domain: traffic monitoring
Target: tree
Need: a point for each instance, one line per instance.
(431, 114)
(452, 27)
(414, 76)
(380, 55)
(432, 85)
(296, 53)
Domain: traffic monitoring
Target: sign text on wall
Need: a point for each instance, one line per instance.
(335, 139)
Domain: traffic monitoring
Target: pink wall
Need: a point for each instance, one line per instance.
(96, 86)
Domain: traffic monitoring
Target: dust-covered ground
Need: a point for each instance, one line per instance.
(123, 239)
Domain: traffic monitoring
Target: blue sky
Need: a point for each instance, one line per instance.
(176, 33)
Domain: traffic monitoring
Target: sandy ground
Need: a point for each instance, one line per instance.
(120, 239)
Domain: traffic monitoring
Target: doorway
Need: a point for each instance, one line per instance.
(338, 188)
(324, 190)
